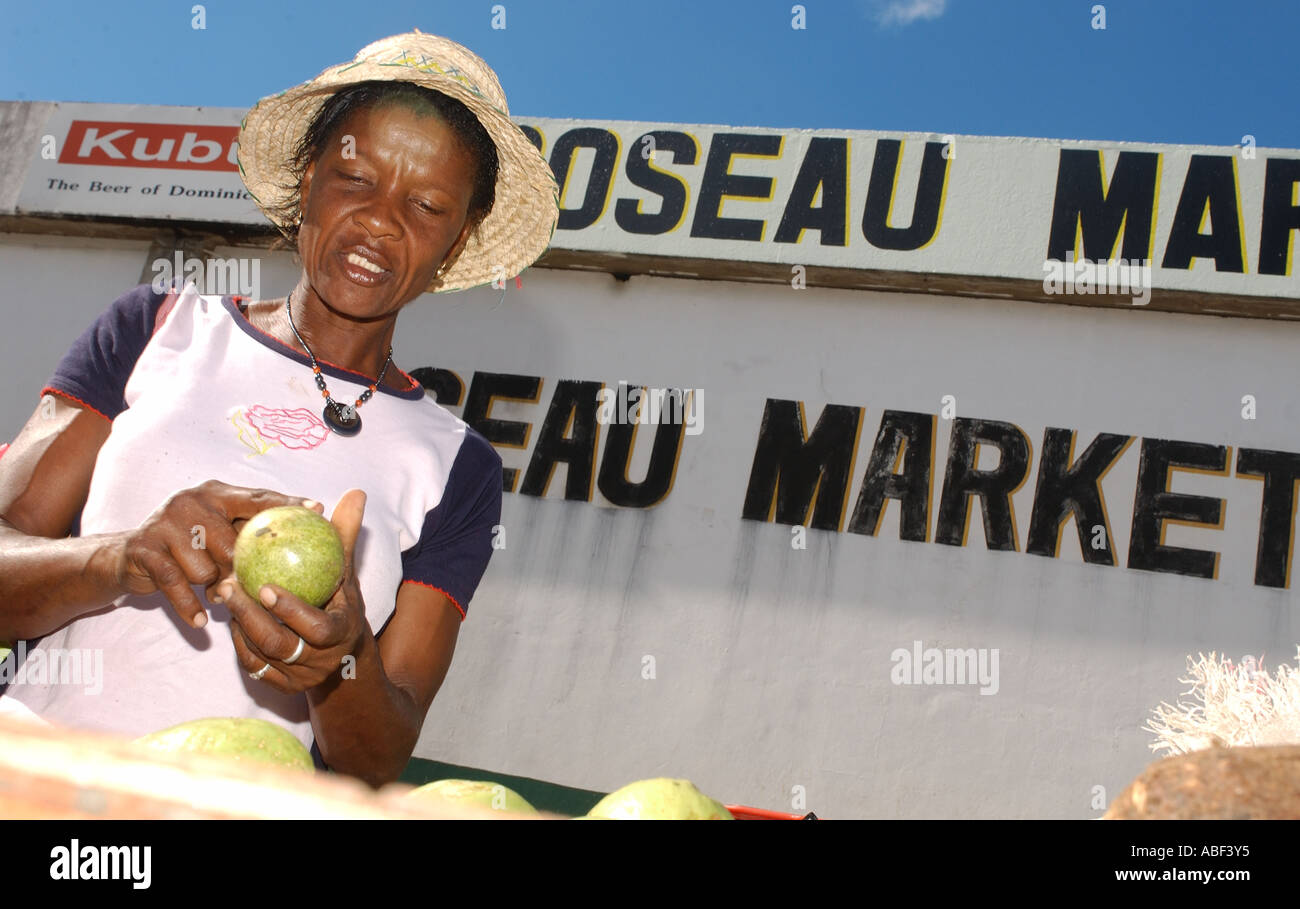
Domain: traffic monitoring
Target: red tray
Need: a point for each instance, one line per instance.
(745, 813)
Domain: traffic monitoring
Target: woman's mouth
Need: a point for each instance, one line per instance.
(362, 270)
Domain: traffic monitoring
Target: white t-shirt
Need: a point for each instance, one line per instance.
(195, 392)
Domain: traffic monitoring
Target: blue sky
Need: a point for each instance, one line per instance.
(1190, 71)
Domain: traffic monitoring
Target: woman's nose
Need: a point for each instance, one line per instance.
(377, 217)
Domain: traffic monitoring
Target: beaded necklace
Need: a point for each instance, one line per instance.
(341, 418)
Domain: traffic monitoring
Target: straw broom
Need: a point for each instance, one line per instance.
(1231, 705)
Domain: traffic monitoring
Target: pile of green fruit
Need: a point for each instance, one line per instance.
(473, 792)
(241, 738)
(658, 800)
(645, 800)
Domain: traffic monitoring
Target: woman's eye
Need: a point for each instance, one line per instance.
(429, 208)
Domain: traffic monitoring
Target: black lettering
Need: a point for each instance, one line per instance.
(880, 197)
(486, 387)
(1280, 470)
(568, 435)
(446, 386)
(671, 189)
(599, 180)
(993, 487)
(1066, 490)
(1211, 181)
(1084, 205)
(613, 481)
(826, 165)
(911, 436)
(1153, 504)
(1281, 216)
(790, 469)
(717, 182)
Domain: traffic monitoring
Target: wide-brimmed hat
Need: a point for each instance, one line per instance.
(523, 217)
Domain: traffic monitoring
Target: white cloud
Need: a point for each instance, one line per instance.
(905, 12)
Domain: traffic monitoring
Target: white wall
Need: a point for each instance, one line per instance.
(772, 665)
(53, 288)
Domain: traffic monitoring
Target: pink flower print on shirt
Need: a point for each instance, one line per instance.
(261, 428)
(297, 428)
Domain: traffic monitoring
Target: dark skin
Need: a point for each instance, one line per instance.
(403, 199)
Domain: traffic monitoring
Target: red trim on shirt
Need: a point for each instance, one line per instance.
(441, 591)
(64, 394)
(368, 379)
(414, 384)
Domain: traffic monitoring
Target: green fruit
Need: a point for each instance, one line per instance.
(236, 737)
(660, 800)
(292, 547)
(474, 792)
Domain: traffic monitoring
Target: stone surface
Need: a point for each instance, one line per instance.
(1242, 783)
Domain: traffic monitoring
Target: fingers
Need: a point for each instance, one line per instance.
(236, 502)
(347, 519)
(277, 619)
(170, 578)
(262, 629)
(253, 660)
(205, 552)
(318, 627)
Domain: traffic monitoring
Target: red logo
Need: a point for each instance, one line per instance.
(175, 146)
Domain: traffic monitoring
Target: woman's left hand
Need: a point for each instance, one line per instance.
(267, 633)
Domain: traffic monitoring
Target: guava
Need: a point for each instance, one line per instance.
(293, 547)
(241, 738)
(474, 792)
(659, 800)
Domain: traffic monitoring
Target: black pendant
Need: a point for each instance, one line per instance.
(342, 418)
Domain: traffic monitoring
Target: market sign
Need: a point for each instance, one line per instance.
(1081, 219)
(801, 476)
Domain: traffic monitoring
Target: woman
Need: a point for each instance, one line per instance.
(176, 417)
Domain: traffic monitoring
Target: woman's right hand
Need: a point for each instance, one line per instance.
(190, 540)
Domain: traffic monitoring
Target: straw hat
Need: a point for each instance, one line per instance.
(519, 227)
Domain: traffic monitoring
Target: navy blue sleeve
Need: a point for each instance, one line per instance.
(456, 541)
(95, 369)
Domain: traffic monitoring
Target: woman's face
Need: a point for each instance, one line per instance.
(383, 206)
